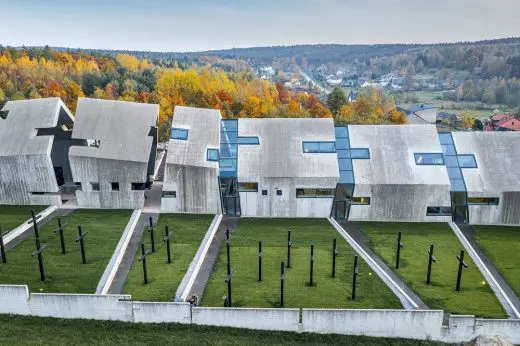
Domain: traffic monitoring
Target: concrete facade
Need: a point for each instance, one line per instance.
(278, 163)
(188, 173)
(123, 138)
(497, 174)
(35, 138)
(399, 189)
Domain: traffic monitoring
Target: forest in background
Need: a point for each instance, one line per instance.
(29, 73)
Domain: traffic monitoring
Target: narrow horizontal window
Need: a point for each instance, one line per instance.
(138, 186)
(360, 200)
(95, 186)
(181, 134)
(363, 153)
(438, 211)
(248, 140)
(169, 194)
(248, 187)
(467, 161)
(212, 155)
(79, 186)
(428, 159)
(483, 200)
(319, 147)
(115, 186)
(264, 192)
(314, 193)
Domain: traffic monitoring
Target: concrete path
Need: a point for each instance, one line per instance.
(358, 241)
(503, 291)
(25, 230)
(128, 257)
(200, 278)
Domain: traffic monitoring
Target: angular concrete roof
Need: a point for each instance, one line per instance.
(18, 131)
(498, 160)
(392, 149)
(121, 127)
(204, 132)
(280, 153)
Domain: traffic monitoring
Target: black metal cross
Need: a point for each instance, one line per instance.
(354, 276)
(2, 246)
(311, 273)
(289, 245)
(228, 282)
(151, 229)
(334, 254)
(142, 258)
(167, 240)
(399, 246)
(228, 268)
(431, 259)
(39, 247)
(282, 278)
(259, 261)
(59, 231)
(460, 258)
(81, 241)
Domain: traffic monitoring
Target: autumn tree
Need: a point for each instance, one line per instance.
(336, 99)
(467, 119)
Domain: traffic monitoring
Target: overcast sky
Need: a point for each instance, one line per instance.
(190, 25)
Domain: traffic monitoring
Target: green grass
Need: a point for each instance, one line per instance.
(188, 232)
(18, 330)
(66, 273)
(502, 246)
(475, 297)
(12, 216)
(328, 292)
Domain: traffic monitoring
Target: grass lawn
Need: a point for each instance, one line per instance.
(328, 292)
(502, 246)
(66, 273)
(163, 278)
(18, 330)
(475, 296)
(12, 216)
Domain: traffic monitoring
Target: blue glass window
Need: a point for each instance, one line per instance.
(445, 138)
(360, 153)
(429, 159)
(229, 137)
(248, 140)
(346, 177)
(212, 155)
(454, 173)
(229, 125)
(181, 134)
(343, 154)
(341, 132)
(457, 185)
(342, 143)
(438, 211)
(448, 149)
(345, 164)
(319, 147)
(451, 161)
(467, 161)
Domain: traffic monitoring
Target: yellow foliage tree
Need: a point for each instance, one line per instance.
(128, 61)
(468, 119)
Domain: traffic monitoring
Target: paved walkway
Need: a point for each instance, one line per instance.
(390, 278)
(128, 258)
(206, 269)
(512, 303)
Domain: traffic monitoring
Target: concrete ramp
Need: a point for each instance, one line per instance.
(504, 293)
(357, 240)
(197, 276)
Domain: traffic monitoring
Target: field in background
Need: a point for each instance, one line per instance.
(502, 245)
(66, 273)
(12, 216)
(328, 292)
(475, 297)
(187, 231)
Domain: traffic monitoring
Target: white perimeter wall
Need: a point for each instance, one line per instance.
(412, 324)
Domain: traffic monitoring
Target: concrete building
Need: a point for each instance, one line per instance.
(191, 177)
(292, 171)
(115, 169)
(490, 164)
(399, 181)
(35, 138)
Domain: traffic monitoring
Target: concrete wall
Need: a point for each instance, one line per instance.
(287, 205)
(507, 212)
(89, 170)
(380, 323)
(196, 188)
(151, 312)
(263, 319)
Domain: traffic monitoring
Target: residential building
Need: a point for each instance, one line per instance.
(502, 122)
